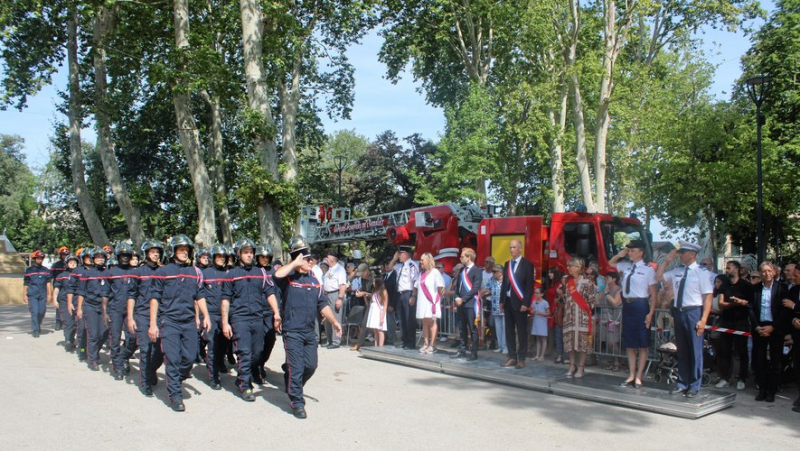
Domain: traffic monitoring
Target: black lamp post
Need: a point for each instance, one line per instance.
(341, 163)
(757, 88)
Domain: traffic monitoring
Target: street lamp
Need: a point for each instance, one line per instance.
(341, 163)
(757, 88)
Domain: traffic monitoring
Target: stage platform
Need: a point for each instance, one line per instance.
(549, 378)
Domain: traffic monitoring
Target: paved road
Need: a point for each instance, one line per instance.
(50, 401)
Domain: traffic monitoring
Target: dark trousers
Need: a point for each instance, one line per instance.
(80, 337)
(728, 344)
(270, 337)
(301, 363)
(796, 356)
(466, 318)
(391, 327)
(516, 329)
(150, 355)
(408, 320)
(95, 331)
(119, 353)
(215, 352)
(67, 322)
(248, 341)
(767, 359)
(59, 323)
(179, 345)
(362, 330)
(690, 348)
(37, 305)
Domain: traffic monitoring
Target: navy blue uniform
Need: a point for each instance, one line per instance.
(150, 356)
(213, 279)
(80, 327)
(57, 268)
(121, 283)
(63, 282)
(36, 279)
(303, 300)
(176, 287)
(246, 289)
(94, 287)
(269, 329)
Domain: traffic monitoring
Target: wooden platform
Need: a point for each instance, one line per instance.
(550, 378)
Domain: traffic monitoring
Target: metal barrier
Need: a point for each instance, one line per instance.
(608, 332)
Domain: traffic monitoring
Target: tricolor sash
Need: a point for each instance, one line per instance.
(514, 284)
(576, 296)
(377, 300)
(427, 293)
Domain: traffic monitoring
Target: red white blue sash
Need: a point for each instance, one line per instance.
(513, 281)
(377, 300)
(465, 283)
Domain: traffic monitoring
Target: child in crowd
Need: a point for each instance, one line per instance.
(540, 310)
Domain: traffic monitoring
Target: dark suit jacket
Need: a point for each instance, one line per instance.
(781, 316)
(469, 296)
(525, 275)
(391, 288)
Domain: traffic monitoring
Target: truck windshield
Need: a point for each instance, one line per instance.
(617, 234)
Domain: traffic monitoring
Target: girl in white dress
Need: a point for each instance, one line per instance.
(376, 320)
(429, 290)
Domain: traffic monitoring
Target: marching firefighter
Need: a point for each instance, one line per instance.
(264, 257)
(56, 269)
(304, 299)
(66, 306)
(37, 291)
(93, 292)
(122, 284)
(177, 287)
(86, 263)
(213, 279)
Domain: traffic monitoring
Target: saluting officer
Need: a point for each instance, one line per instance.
(692, 305)
(150, 355)
(56, 269)
(304, 301)
(120, 279)
(93, 292)
(37, 291)
(244, 301)
(61, 292)
(264, 257)
(214, 277)
(178, 285)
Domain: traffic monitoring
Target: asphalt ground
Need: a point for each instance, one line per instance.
(51, 401)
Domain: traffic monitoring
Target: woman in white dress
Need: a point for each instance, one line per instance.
(429, 290)
(376, 320)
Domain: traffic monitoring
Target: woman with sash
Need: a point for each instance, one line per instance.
(577, 293)
(430, 289)
(376, 319)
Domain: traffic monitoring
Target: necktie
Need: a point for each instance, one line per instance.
(513, 266)
(628, 281)
(681, 287)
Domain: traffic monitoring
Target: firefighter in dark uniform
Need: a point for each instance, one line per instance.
(56, 269)
(93, 292)
(121, 282)
(178, 285)
(264, 257)
(150, 356)
(61, 292)
(37, 291)
(85, 257)
(244, 305)
(303, 302)
(213, 279)
(202, 261)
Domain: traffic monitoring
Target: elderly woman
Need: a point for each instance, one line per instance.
(429, 292)
(577, 293)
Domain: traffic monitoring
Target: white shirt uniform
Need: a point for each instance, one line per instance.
(336, 276)
(407, 275)
(642, 278)
(317, 272)
(697, 284)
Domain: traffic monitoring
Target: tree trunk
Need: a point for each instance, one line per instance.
(217, 169)
(577, 110)
(93, 223)
(290, 102)
(190, 139)
(269, 219)
(558, 122)
(103, 27)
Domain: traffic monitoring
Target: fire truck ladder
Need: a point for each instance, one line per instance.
(373, 227)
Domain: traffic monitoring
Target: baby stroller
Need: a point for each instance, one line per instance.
(667, 367)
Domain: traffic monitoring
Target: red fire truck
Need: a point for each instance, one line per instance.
(443, 230)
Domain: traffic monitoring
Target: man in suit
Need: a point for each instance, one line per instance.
(467, 303)
(390, 281)
(770, 320)
(793, 303)
(515, 296)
